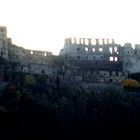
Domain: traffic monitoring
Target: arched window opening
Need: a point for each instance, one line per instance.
(110, 58)
(45, 54)
(77, 41)
(42, 72)
(86, 49)
(110, 50)
(86, 42)
(100, 49)
(101, 57)
(100, 42)
(93, 42)
(82, 41)
(31, 52)
(116, 58)
(93, 49)
(73, 40)
(105, 41)
(115, 49)
(1, 53)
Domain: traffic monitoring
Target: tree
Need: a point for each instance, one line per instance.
(18, 96)
(3, 109)
(30, 80)
(130, 83)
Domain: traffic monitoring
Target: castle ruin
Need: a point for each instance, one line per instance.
(82, 59)
(103, 51)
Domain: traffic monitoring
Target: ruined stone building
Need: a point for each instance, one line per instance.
(103, 51)
(82, 59)
(107, 60)
(27, 58)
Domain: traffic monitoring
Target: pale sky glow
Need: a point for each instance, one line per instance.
(44, 24)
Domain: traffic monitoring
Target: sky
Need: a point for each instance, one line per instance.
(44, 24)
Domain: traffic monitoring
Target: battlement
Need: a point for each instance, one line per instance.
(88, 41)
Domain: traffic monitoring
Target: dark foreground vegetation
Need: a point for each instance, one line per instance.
(47, 110)
(38, 106)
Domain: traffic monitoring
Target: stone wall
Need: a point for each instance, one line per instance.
(79, 57)
(104, 53)
(131, 58)
(42, 69)
(4, 42)
(85, 49)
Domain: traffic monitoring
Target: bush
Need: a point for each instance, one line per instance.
(130, 84)
(30, 80)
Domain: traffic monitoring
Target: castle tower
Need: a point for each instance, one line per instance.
(3, 42)
(3, 32)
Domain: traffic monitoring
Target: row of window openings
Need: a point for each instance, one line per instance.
(45, 54)
(111, 73)
(111, 58)
(128, 52)
(93, 41)
(101, 49)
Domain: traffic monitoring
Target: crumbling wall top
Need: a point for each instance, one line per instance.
(88, 41)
